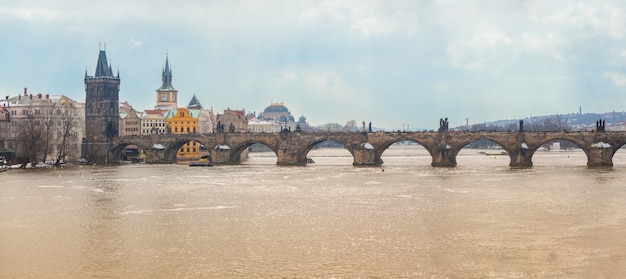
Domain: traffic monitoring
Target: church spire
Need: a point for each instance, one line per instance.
(167, 76)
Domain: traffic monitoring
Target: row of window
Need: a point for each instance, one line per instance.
(182, 130)
(48, 112)
(182, 150)
(158, 124)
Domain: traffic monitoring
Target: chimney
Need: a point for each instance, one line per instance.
(31, 96)
(47, 96)
(39, 96)
(25, 91)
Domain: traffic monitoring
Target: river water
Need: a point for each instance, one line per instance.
(326, 220)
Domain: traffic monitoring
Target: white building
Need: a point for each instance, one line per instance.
(257, 126)
(53, 110)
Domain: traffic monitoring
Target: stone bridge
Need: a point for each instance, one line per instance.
(367, 148)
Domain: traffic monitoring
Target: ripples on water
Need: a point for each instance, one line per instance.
(325, 220)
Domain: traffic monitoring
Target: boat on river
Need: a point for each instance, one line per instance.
(204, 161)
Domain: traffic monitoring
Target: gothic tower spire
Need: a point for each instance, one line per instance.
(166, 77)
(166, 94)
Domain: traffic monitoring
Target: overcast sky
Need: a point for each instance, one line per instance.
(389, 62)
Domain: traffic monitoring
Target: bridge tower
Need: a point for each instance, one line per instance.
(166, 94)
(101, 111)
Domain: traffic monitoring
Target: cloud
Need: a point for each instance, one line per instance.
(480, 50)
(601, 17)
(137, 43)
(618, 79)
(550, 44)
(402, 61)
(369, 18)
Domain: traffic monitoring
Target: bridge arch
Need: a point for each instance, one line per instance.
(391, 153)
(533, 148)
(171, 150)
(619, 151)
(379, 150)
(508, 149)
(330, 152)
(117, 150)
(235, 153)
(340, 139)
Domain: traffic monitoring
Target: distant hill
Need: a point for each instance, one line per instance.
(573, 122)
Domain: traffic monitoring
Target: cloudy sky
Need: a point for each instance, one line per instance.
(389, 62)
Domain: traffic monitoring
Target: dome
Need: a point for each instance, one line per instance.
(276, 107)
(302, 119)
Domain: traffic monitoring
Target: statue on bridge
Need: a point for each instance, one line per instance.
(220, 127)
(231, 128)
(600, 125)
(443, 124)
(298, 129)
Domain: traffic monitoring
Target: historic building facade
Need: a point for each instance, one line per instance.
(166, 95)
(57, 117)
(101, 110)
(130, 123)
(4, 126)
(153, 122)
(231, 121)
(184, 121)
(257, 126)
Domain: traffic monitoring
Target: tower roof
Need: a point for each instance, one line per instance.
(166, 77)
(194, 103)
(103, 69)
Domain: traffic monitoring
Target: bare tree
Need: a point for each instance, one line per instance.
(350, 126)
(30, 140)
(66, 135)
(47, 123)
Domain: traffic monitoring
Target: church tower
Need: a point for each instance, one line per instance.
(166, 95)
(101, 111)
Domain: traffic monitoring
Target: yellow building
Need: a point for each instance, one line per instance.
(183, 121)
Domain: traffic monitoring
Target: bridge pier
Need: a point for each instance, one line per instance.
(600, 157)
(290, 157)
(365, 157)
(221, 156)
(444, 157)
(521, 158)
(156, 156)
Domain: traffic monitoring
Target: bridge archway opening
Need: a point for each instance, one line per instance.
(483, 153)
(190, 150)
(556, 153)
(619, 158)
(128, 153)
(259, 154)
(329, 153)
(406, 153)
(132, 154)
